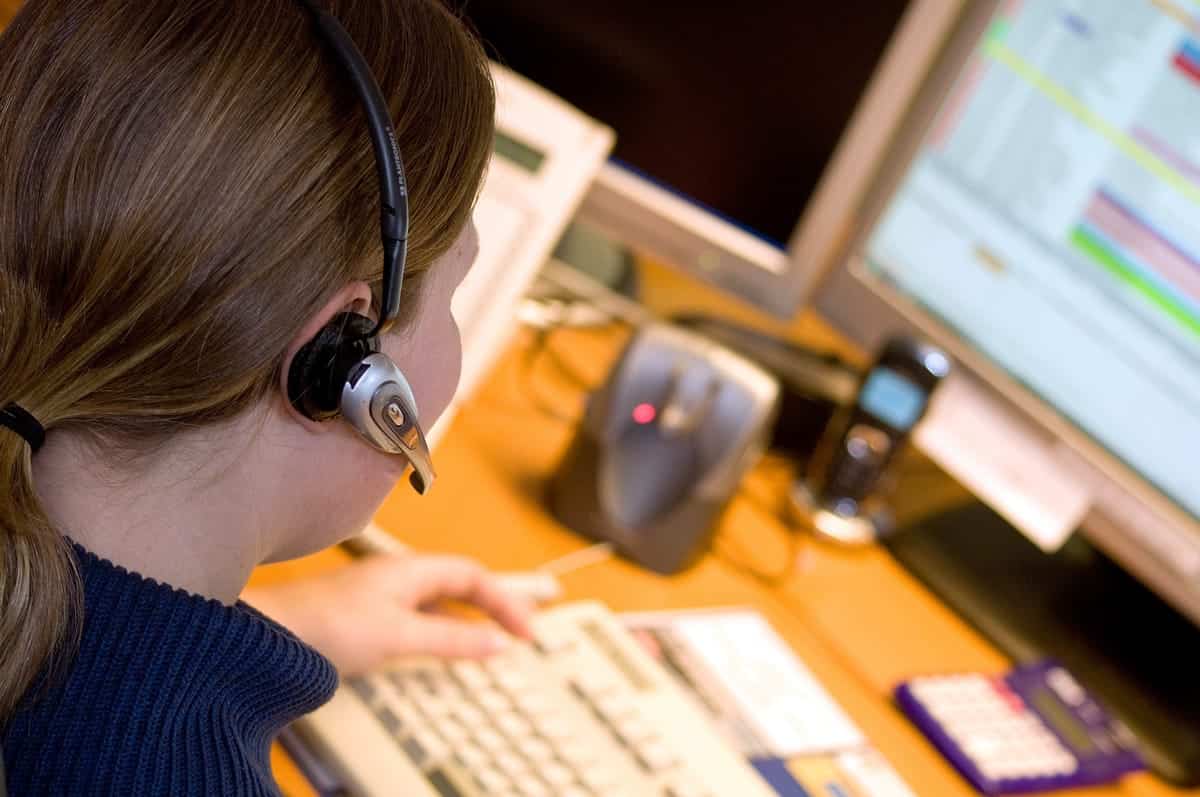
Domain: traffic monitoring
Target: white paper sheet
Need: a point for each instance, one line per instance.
(982, 445)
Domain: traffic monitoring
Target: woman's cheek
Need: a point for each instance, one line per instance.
(449, 360)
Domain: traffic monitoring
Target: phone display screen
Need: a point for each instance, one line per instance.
(892, 398)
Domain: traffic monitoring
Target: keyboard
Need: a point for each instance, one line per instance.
(581, 711)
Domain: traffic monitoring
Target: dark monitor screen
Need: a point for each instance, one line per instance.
(738, 107)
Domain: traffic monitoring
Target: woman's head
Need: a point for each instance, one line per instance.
(187, 190)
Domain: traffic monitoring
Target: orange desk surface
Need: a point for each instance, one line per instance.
(854, 616)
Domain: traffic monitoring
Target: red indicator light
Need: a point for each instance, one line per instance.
(644, 413)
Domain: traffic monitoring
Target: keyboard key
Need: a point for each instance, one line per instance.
(633, 730)
(492, 702)
(512, 764)
(579, 753)
(655, 756)
(557, 775)
(530, 786)
(553, 645)
(599, 778)
(419, 749)
(469, 716)
(398, 680)
(490, 740)
(430, 705)
(501, 663)
(614, 707)
(441, 781)
(536, 704)
(513, 725)
(442, 682)
(556, 728)
(423, 678)
(535, 749)
(491, 780)
(592, 684)
(451, 694)
(472, 756)
(510, 680)
(389, 720)
(574, 791)
(361, 687)
(453, 732)
(471, 675)
(685, 788)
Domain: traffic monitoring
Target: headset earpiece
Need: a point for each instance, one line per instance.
(321, 367)
(342, 372)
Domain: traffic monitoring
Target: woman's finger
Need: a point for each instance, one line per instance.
(448, 638)
(458, 578)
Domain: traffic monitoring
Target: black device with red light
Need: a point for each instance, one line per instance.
(663, 447)
(645, 413)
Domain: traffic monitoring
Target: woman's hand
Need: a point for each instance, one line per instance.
(386, 606)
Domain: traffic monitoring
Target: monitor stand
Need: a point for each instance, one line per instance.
(1137, 654)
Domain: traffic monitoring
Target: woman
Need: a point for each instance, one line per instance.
(187, 195)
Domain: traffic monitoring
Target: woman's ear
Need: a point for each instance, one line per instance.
(354, 297)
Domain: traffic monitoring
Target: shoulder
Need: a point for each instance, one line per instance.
(167, 693)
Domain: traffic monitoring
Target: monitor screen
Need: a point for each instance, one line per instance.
(736, 109)
(1051, 218)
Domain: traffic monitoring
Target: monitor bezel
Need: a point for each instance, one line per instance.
(868, 310)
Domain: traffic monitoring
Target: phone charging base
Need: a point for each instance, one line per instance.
(846, 522)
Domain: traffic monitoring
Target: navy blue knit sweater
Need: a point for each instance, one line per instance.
(169, 693)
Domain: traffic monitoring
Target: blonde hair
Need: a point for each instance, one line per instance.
(181, 186)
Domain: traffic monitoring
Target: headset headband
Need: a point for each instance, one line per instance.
(393, 191)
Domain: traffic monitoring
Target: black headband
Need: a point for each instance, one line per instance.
(393, 189)
(24, 424)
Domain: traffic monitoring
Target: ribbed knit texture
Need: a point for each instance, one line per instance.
(169, 694)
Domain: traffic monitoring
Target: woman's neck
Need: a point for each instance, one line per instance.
(190, 518)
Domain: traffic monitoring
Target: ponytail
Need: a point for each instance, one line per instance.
(39, 585)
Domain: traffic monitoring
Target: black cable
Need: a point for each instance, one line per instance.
(763, 506)
(565, 370)
(525, 378)
(539, 349)
(766, 579)
(775, 584)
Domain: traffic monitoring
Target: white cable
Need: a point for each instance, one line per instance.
(374, 540)
(577, 560)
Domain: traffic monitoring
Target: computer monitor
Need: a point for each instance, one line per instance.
(724, 121)
(1021, 185)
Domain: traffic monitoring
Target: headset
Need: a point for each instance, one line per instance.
(341, 371)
